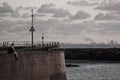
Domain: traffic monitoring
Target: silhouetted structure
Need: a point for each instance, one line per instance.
(42, 40)
(32, 29)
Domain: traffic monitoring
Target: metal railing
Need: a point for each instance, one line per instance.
(25, 45)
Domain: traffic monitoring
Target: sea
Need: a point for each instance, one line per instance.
(94, 71)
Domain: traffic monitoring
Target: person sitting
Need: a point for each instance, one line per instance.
(11, 50)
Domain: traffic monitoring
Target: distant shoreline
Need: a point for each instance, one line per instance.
(96, 54)
(90, 61)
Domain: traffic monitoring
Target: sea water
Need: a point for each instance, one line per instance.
(94, 71)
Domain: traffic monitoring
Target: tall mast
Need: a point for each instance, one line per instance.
(32, 29)
(32, 17)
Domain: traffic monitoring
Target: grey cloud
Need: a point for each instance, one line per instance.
(118, 12)
(4, 14)
(80, 15)
(46, 8)
(25, 15)
(82, 3)
(105, 29)
(67, 29)
(57, 12)
(47, 25)
(110, 5)
(30, 8)
(21, 25)
(5, 25)
(21, 28)
(61, 13)
(15, 14)
(108, 28)
(20, 7)
(5, 8)
(107, 17)
(50, 27)
(27, 8)
(60, 28)
(39, 15)
(89, 39)
(12, 30)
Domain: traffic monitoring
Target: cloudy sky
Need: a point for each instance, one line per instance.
(71, 21)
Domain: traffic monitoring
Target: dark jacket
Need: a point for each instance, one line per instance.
(11, 49)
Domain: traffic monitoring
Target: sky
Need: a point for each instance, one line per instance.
(66, 21)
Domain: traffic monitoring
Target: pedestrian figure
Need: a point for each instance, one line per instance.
(11, 50)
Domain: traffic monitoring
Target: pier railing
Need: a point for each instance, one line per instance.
(27, 45)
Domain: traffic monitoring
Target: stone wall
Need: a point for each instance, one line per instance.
(33, 65)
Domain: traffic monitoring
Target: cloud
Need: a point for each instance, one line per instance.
(50, 9)
(109, 29)
(52, 26)
(107, 17)
(82, 3)
(59, 30)
(74, 28)
(54, 29)
(4, 14)
(15, 14)
(46, 8)
(80, 15)
(61, 13)
(109, 5)
(27, 8)
(89, 39)
(5, 8)
(7, 11)
(4, 25)
(12, 30)
(25, 15)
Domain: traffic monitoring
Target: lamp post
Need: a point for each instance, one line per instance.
(32, 29)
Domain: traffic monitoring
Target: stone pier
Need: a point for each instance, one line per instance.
(33, 65)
